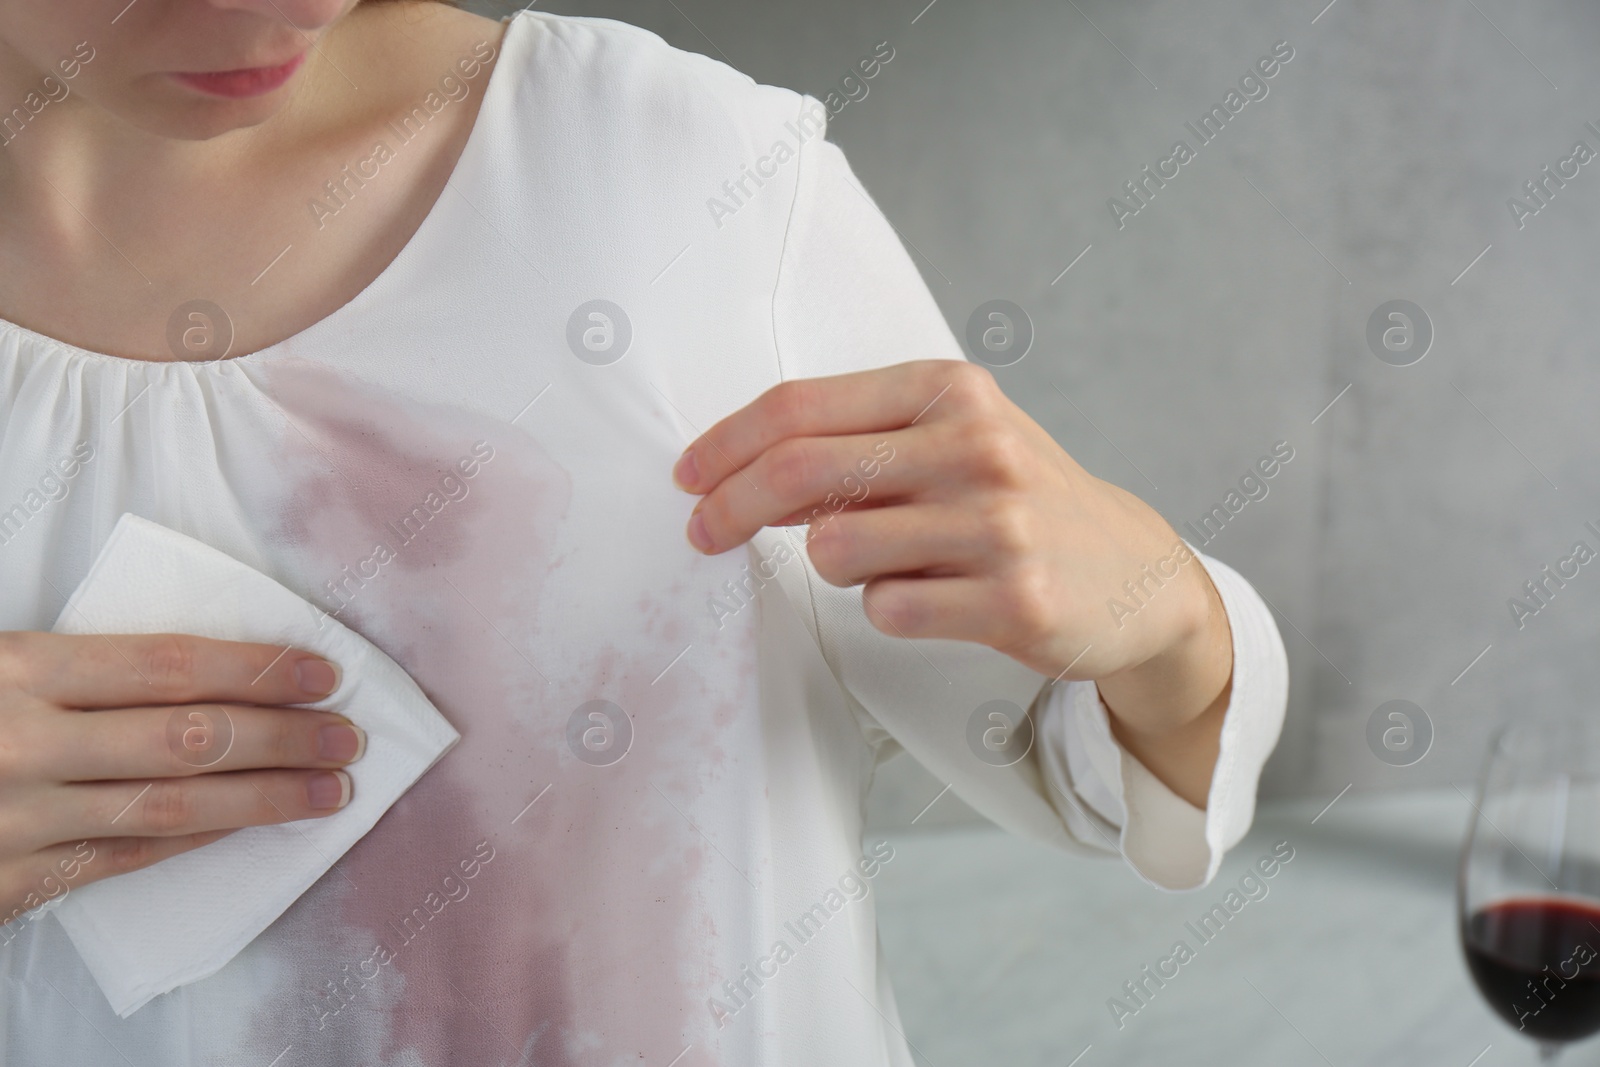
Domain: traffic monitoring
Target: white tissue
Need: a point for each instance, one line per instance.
(149, 931)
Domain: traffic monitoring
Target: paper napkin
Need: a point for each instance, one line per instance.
(146, 932)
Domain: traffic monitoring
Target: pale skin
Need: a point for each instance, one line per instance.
(137, 193)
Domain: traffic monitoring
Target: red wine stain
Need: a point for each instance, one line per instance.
(585, 938)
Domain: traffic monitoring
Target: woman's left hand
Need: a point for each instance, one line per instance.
(964, 519)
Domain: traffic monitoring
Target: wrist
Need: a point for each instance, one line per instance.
(1187, 677)
(1168, 711)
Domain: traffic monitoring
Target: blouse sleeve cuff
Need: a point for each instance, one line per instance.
(1169, 842)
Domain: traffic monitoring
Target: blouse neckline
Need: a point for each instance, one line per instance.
(407, 251)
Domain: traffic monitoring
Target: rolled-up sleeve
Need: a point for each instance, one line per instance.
(1167, 840)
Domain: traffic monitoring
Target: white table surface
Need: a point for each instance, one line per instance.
(1006, 952)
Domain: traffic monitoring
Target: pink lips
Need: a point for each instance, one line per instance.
(237, 84)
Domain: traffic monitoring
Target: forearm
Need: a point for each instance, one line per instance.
(1168, 711)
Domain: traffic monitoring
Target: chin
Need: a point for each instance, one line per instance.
(202, 118)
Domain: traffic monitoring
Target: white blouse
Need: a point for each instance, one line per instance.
(659, 789)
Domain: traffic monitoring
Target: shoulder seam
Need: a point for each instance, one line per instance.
(772, 318)
(788, 228)
(858, 712)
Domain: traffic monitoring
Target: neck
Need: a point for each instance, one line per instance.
(70, 168)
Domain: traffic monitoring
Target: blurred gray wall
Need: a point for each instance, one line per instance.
(1233, 308)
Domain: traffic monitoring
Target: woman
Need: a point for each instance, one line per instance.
(271, 270)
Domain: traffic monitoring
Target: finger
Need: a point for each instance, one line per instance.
(862, 402)
(920, 540)
(1002, 615)
(805, 478)
(174, 807)
(123, 670)
(193, 739)
(54, 871)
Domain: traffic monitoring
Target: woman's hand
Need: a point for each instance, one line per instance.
(118, 751)
(964, 519)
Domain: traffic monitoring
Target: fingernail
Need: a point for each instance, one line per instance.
(698, 537)
(686, 473)
(316, 677)
(328, 789)
(341, 743)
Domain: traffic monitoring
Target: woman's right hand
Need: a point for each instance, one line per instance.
(117, 751)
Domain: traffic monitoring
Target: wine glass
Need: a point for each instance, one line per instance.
(1528, 893)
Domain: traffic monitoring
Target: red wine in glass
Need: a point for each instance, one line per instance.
(1537, 962)
(1528, 894)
